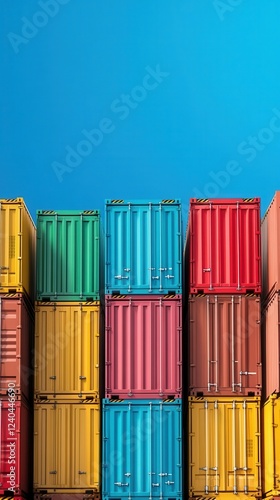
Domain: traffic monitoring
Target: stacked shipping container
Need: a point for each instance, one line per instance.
(270, 230)
(222, 262)
(142, 412)
(68, 355)
(17, 261)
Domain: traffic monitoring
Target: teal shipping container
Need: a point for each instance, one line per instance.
(142, 449)
(143, 247)
(69, 255)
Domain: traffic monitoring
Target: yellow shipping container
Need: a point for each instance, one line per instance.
(271, 446)
(224, 447)
(66, 447)
(17, 248)
(67, 349)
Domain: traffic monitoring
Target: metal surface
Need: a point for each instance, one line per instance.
(67, 496)
(66, 446)
(271, 449)
(271, 338)
(143, 347)
(69, 255)
(67, 349)
(16, 333)
(225, 345)
(270, 232)
(16, 447)
(143, 247)
(224, 446)
(17, 248)
(223, 241)
(142, 449)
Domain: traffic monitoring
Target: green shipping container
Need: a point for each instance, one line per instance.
(69, 255)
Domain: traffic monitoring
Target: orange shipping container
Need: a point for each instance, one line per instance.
(224, 345)
(270, 237)
(272, 345)
(17, 248)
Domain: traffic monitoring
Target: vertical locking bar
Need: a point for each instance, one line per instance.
(232, 346)
(206, 448)
(234, 446)
(245, 447)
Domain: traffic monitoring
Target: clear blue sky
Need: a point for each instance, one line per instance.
(139, 99)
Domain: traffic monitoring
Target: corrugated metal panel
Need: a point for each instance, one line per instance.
(143, 347)
(67, 349)
(271, 449)
(224, 446)
(69, 260)
(17, 248)
(224, 246)
(66, 447)
(16, 446)
(143, 247)
(16, 332)
(142, 443)
(225, 345)
(270, 232)
(271, 339)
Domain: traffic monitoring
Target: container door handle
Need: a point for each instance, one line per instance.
(81, 472)
(169, 276)
(169, 482)
(4, 268)
(206, 269)
(121, 484)
(52, 377)
(81, 377)
(120, 277)
(155, 484)
(53, 471)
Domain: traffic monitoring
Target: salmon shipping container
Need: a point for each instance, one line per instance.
(66, 447)
(270, 232)
(143, 247)
(67, 349)
(224, 447)
(223, 247)
(271, 339)
(143, 346)
(16, 341)
(271, 449)
(16, 447)
(70, 255)
(142, 449)
(17, 248)
(225, 345)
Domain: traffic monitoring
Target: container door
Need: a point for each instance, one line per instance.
(10, 246)
(169, 242)
(85, 434)
(118, 242)
(166, 447)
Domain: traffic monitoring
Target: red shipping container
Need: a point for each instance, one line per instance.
(270, 231)
(16, 463)
(224, 345)
(143, 347)
(16, 329)
(223, 251)
(271, 336)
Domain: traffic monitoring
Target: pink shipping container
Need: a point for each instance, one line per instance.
(271, 336)
(223, 246)
(16, 334)
(143, 347)
(270, 231)
(224, 345)
(16, 447)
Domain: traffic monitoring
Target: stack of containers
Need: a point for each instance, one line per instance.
(17, 272)
(68, 355)
(270, 231)
(222, 262)
(142, 410)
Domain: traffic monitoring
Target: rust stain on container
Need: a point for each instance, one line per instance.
(224, 345)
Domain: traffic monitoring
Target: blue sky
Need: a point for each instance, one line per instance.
(139, 99)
